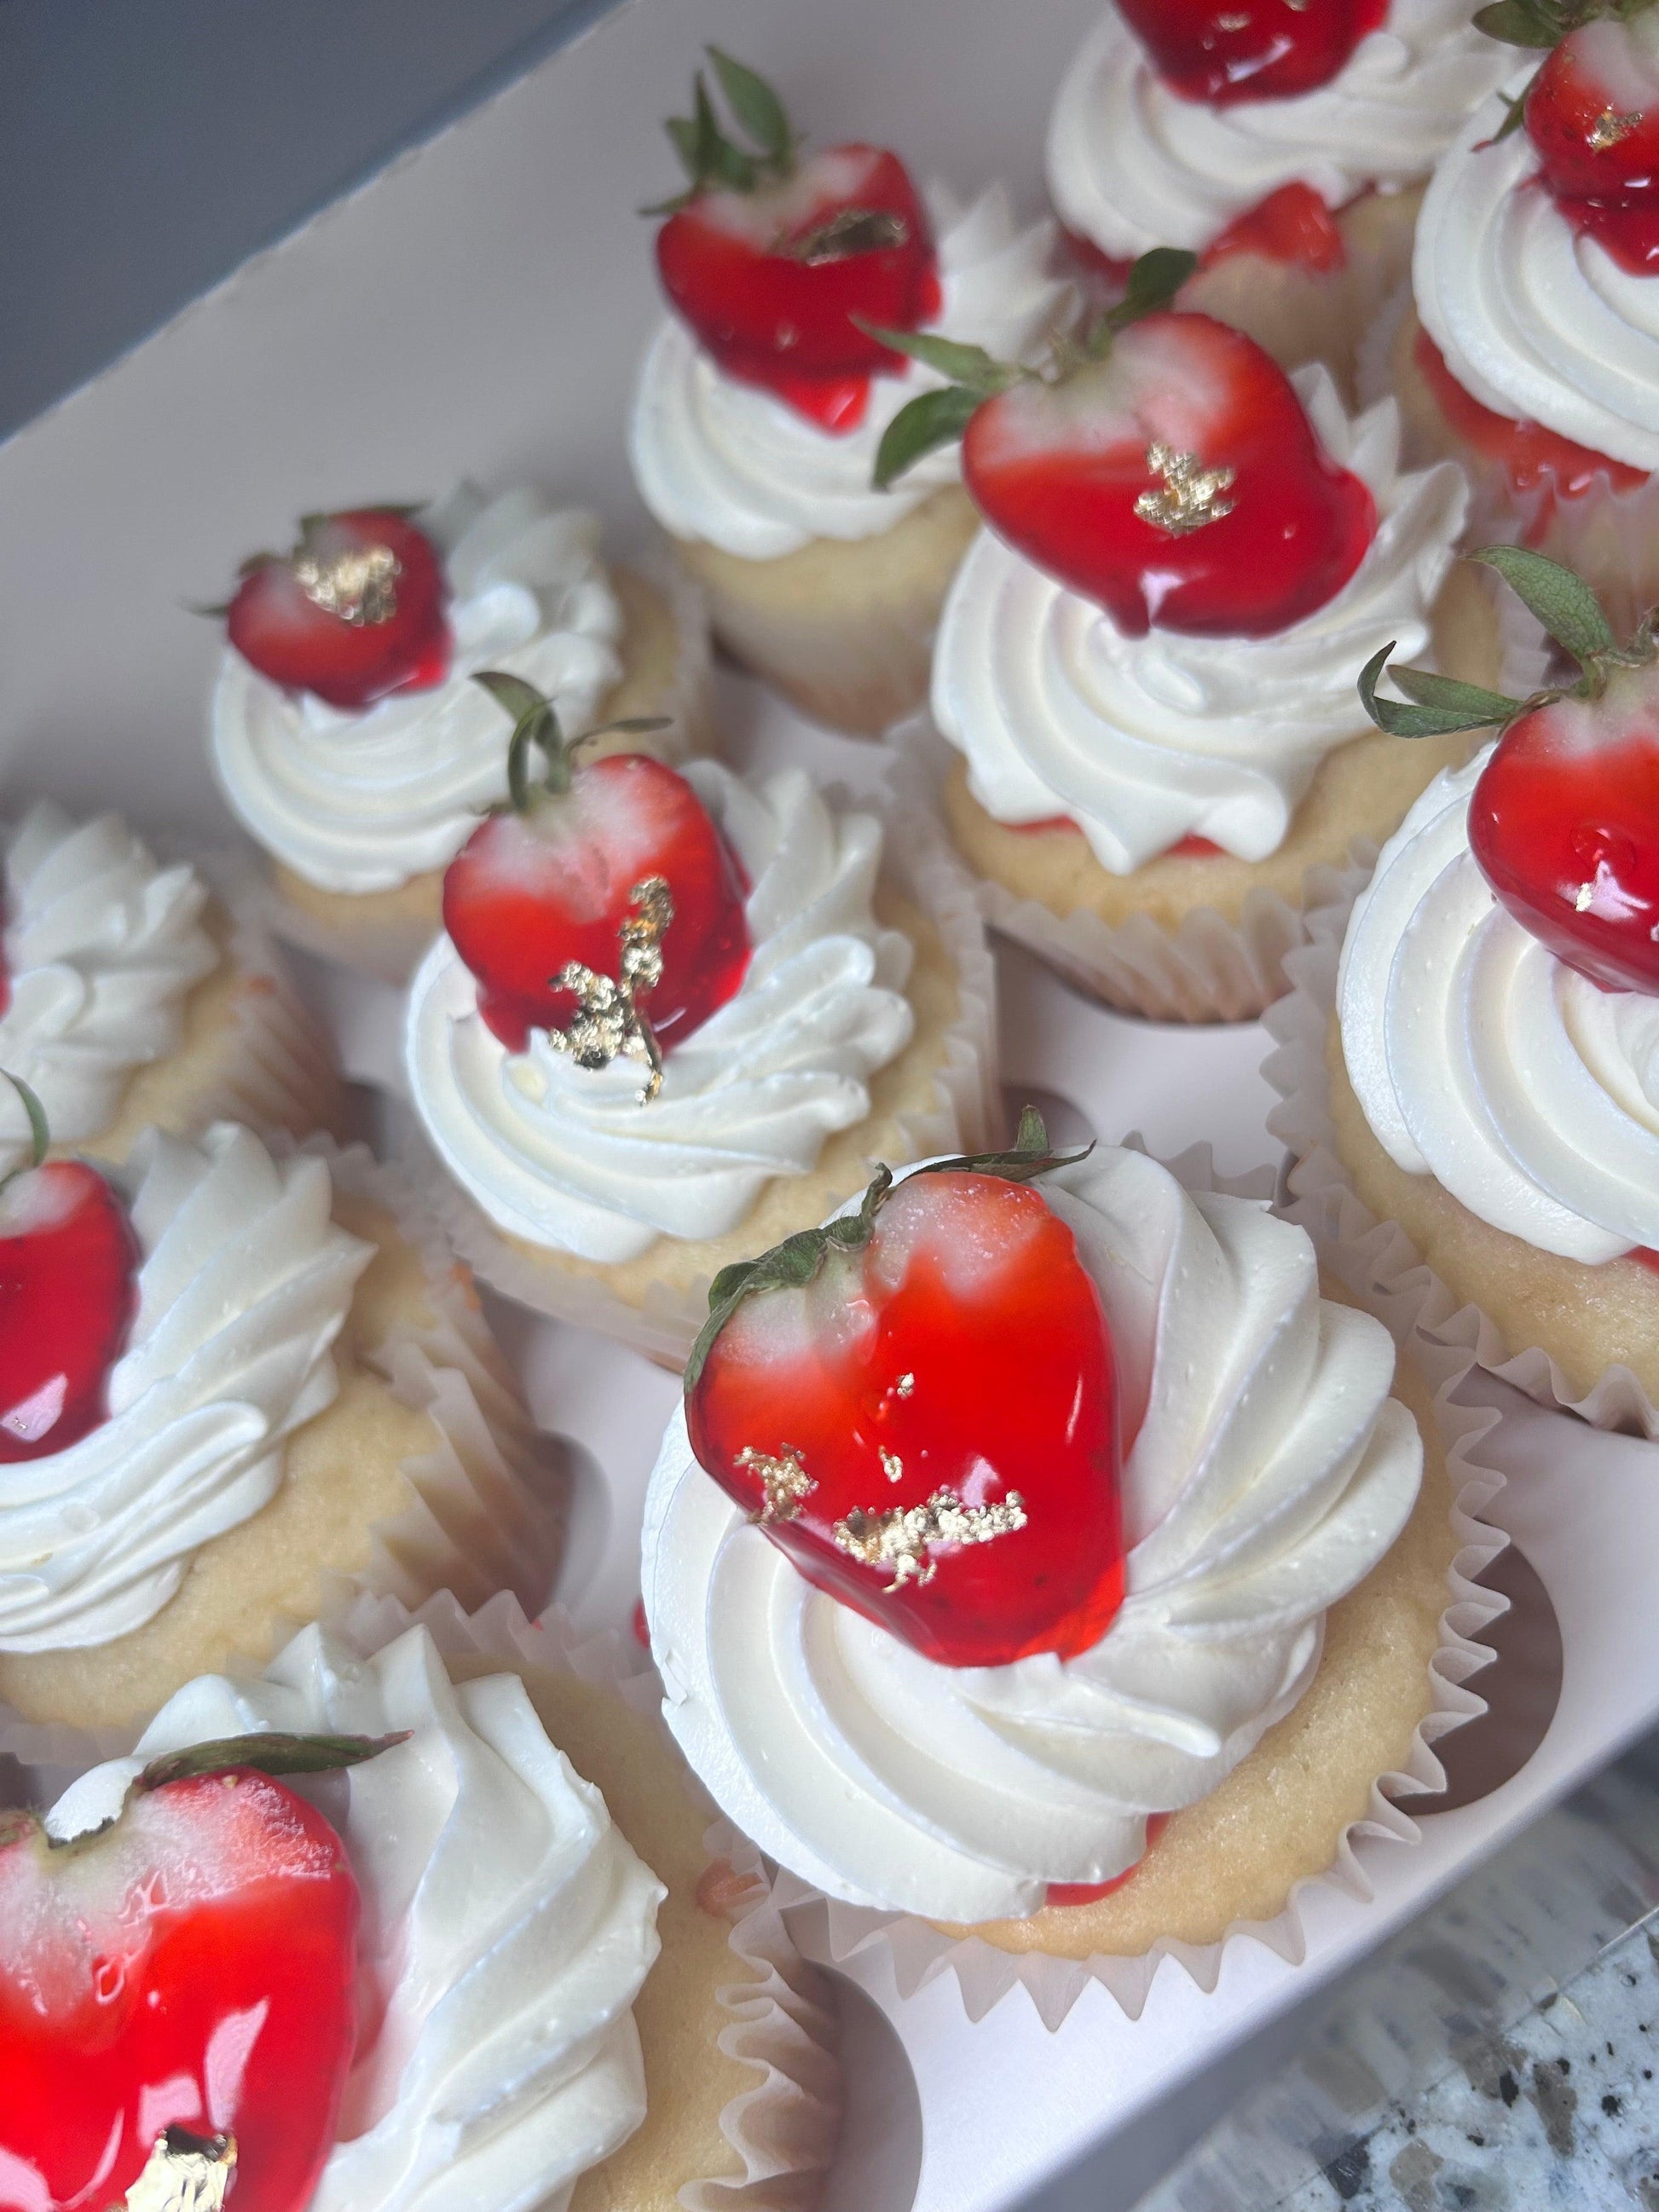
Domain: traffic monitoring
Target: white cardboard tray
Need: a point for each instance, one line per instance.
(477, 310)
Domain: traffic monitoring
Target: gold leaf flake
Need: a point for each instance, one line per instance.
(784, 1480)
(899, 1536)
(1189, 496)
(609, 1024)
(186, 2173)
(892, 1465)
(1609, 127)
(359, 585)
(905, 1385)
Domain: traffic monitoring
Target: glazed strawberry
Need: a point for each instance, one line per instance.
(1564, 819)
(1593, 113)
(1223, 51)
(354, 612)
(1165, 468)
(918, 1405)
(1292, 225)
(611, 868)
(178, 1989)
(768, 257)
(69, 1264)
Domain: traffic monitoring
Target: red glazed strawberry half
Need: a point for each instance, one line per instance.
(1163, 467)
(918, 1405)
(1564, 819)
(68, 1267)
(603, 886)
(769, 256)
(178, 1989)
(355, 611)
(1223, 51)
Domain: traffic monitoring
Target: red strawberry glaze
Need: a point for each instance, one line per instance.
(1533, 457)
(1593, 114)
(1090, 1893)
(1220, 51)
(68, 1262)
(194, 1966)
(1292, 225)
(1647, 1257)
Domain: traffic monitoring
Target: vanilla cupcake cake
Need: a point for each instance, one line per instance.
(347, 736)
(762, 402)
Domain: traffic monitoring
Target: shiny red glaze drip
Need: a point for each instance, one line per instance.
(640, 1625)
(1535, 459)
(1647, 1257)
(973, 1289)
(234, 2012)
(1090, 1893)
(1185, 849)
(1220, 51)
(1630, 234)
(1292, 225)
(1110, 271)
(1193, 848)
(68, 1264)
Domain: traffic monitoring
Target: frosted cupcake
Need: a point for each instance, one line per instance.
(1534, 352)
(762, 399)
(672, 1011)
(231, 1381)
(1489, 1080)
(1286, 146)
(134, 995)
(347, 736)
(1146, 659)
(391, 1890)
(1045, 1553)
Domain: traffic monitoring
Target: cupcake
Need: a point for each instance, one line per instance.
(347, 736)
(674, 1013)
(1481, 1072)
(763, 397)
(1147, 661)
(1044, 1554)
(382, 1938)
(1286, 146)
(1533, 354)
(233, 1381)
(134, 995)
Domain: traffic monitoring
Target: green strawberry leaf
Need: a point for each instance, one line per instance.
(1441, 705)
(1564, 603)
(1154, 280)
(757, 107)
(535, 722)
(274, 1753)
(930, 420)
(40, 1133)
(972, 365)
(1518, 23)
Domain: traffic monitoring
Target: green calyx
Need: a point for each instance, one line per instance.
(536, 724)
(40, 1131)
(1568, 610)
(715, 163)
(793, 1264)
(939, 417)
(1545, 23)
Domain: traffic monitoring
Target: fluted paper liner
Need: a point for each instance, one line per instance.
(964, 1113)
(920, 1952)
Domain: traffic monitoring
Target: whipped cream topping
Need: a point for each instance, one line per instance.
(728, 464)
(1536, 320)
(1479, 1058)
(1266, 1471)
(1144, 741)
(243, 1285)
(100, 948)
(360, 802)
(1132, 165)
(566, 1156)
(506, 1926)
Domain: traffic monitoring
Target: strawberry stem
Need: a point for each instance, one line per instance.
(536, 722)
(40, 1128)
(273, 1752)
(714, 162)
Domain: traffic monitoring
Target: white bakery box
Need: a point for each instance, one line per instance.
(476, 310)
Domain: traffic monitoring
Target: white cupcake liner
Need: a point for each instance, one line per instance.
(964, 1115)
(487, 1508)
(1380, 1254)
(920, 1952)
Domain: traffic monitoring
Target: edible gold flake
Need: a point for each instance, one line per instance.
(359, 586)
(853, 230)
(784, 1480)
(898, 1537)
(186, 2173)
(892, 1465)
(1189, 496)
(905, 1385)
(608, 1023)
(1609, 127)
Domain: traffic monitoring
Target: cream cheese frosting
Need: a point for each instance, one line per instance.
(1132, 165)
(1478, 1057)
(505, 1929)
(565, 1156)
(360, 802)
(1267, 1470)
(244, 1284)
(1144, 741)
(727, 464)
(1533, 319)
(100, 947)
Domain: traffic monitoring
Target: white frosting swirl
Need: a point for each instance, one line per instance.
(566, 1156)
(1479, 1058)
(101, 947)
(1144, 741)
(727, 462)
(1536, 321)
(1267, 1472)
(360, 802)
(245, 1283)
(1132, 165)
(506, 1925)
